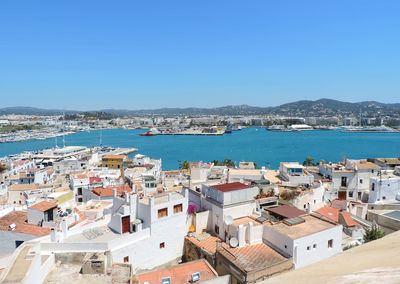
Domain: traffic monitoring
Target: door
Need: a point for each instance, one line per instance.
(126, 224)
(342, 195)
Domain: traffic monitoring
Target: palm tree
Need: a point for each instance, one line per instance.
(215, 162)
(309, 161)
(184, 165)
(322, 161)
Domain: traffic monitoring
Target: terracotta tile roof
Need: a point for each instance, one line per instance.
(287, 211)
(80, 176)
(20, 163)
(350, 222)
(95, 180)
(17, 186)
(230, 186)
(334, 213)
(108, 191)
(330, 213)
(115, 157)
(207, 242)
(43, 206)
(20, 219)
(254, 257)
(365, 165)
(180, 274)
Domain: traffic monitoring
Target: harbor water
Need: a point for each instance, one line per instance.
(266, 148)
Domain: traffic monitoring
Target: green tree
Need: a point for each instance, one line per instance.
(322, 161)
(229, 163)
(309, 161)
(373, 234)
(216, 162)
(184, 165)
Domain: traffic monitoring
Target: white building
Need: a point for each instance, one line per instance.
(224, 202)
(145, 232)
(79, 184)
(350, 180)
(20, 165)
(307, 239)
(295, 173)
(385, 188)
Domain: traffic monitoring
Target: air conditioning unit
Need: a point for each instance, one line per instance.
(195, 277)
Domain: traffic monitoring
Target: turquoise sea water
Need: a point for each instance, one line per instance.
(251, 144)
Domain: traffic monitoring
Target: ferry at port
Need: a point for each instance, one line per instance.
(291, 128)
(371, 129)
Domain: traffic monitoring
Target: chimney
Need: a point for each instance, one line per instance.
(64, 228)
(53, 235)
(241, 235)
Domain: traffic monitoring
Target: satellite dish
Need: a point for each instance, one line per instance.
(234, 242)
(228, 220)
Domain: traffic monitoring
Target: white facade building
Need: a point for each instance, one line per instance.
(225, 201)
(384, 189)
(295, 173)
(307, 239)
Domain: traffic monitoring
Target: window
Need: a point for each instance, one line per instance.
(330, 244)
(126, 259)
(216, 229)
(350, 194)
(162, 212)
(309, 247)
(383, 197)
(372, 171)
(285, 246)
(162, 245)
(373, 187)
(360, 180)
(177, 208)
(314, 246)
(304, 206)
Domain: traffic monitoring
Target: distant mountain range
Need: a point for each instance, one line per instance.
(300, 108)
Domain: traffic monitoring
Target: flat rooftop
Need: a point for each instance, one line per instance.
(311, 225)
(95, 235)
(374, 262)
(245, 221)
(394, 214)
(118, 273)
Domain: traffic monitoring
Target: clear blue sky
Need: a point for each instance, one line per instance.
(89, 55)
